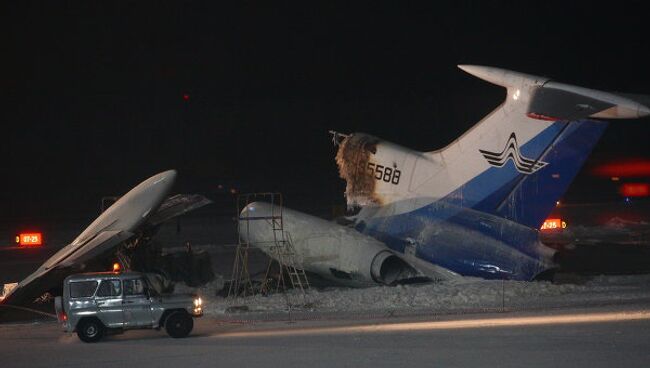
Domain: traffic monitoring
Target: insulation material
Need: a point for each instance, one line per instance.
(352, 159)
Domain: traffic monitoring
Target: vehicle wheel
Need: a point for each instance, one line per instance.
(90, 330)
(179, 324)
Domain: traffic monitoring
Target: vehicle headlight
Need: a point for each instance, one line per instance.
(198, 302)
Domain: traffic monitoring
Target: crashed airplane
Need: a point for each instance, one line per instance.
(472, 208)
(117, 234)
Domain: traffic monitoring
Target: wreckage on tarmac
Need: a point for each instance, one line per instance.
(123, 233)
(472, 208)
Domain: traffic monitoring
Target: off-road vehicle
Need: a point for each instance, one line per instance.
(94, 304)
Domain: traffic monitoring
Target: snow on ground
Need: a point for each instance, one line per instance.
(466, 295)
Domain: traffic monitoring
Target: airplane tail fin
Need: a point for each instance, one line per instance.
(520, 159)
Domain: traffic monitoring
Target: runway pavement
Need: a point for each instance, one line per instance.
(594, 337)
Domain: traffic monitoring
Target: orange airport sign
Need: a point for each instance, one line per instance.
(28, 239)
(553, 223)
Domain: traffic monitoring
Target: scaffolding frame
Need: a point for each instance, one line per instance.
(281, 249)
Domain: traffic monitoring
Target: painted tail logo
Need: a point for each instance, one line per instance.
(511, 152)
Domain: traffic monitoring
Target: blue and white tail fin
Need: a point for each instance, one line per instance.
(515, 163)
(524, 155)
(525, 180)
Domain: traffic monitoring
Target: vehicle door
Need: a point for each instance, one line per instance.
(109, 303)
(136, 305)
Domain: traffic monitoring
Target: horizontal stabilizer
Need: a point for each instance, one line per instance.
(549, 100)
(558, 104)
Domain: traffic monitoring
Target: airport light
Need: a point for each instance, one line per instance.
(29, 239)
(635, 189)
(553, 224)
(629, 168)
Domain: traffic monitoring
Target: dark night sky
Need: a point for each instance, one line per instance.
(92, 92)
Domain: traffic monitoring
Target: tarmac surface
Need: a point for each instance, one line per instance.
(593, 337)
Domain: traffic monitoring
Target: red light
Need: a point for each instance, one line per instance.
(624, 169)
(186, 97)
(537, 116)
(28, 239)
(62, 316)
(553, 224)
(635, 189)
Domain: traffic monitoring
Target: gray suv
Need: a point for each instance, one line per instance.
(94, 304)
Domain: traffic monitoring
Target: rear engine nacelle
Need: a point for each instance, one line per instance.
(330, 250)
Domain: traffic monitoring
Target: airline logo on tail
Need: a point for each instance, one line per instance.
(511, 152)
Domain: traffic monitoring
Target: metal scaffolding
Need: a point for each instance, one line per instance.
(281, 250)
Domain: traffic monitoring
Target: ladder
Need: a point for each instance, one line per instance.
(123, 259)
(240, 281)
(285, 256)
(281, 249)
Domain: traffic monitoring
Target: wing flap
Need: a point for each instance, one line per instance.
(177, 205)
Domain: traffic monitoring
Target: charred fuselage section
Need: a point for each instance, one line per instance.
(353, 159)
(441, 236)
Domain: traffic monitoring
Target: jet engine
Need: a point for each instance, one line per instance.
(335, 252)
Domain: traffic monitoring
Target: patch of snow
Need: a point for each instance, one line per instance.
(468, 294)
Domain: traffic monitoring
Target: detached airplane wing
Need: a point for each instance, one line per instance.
(120, 223)
(62, 262)
(75, 253)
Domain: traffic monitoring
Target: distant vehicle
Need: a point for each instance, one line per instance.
(473, 208)
(94, 304)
